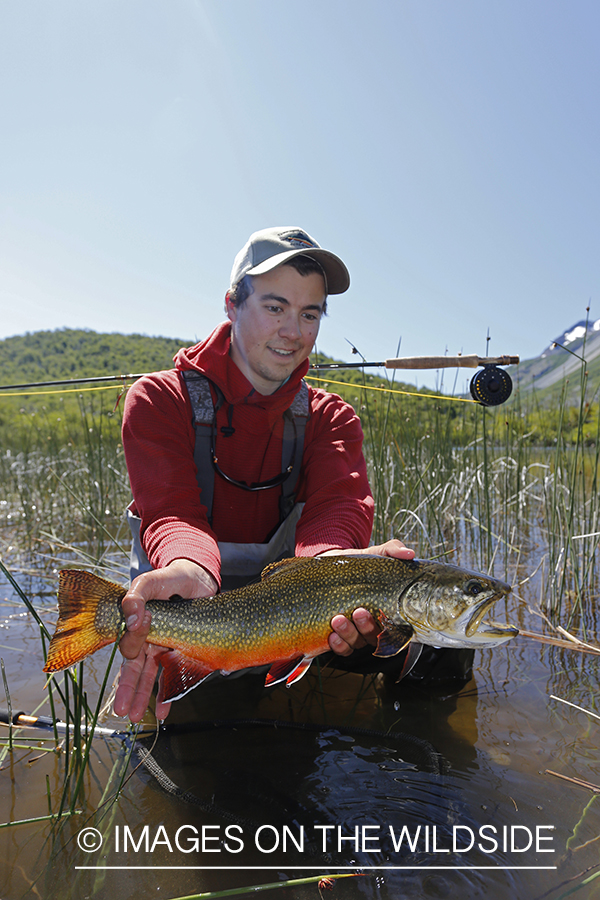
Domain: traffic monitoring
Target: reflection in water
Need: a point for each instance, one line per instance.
(498, 735)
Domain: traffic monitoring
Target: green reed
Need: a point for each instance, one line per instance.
(512, 488)
(505, 487)
(63, 501)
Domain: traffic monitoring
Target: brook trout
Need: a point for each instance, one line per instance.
(284, 620)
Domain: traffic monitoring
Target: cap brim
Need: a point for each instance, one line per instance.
(338, 277)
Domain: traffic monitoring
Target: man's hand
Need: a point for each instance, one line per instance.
(139, 670)
(363, 629)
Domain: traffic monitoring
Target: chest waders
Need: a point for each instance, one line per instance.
(240, 563)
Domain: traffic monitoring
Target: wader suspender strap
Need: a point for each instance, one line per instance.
(295, 419)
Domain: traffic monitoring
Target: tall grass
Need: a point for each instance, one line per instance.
(66, 491)
(453, 480)
(483, 488)
(62, 504)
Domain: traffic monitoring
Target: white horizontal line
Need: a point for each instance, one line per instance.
(311, 868)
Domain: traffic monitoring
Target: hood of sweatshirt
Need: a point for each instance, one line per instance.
(211, 357)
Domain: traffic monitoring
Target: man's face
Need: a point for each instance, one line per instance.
(275, 329)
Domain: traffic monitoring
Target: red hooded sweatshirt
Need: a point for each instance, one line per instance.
(159, 438)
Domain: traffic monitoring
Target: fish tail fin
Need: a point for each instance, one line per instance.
(89, 617)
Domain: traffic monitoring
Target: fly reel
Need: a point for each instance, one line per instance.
(491, 386)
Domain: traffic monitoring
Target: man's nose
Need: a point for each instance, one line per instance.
(290, 328)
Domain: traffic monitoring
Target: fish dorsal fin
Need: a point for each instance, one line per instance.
(284, 565)
(287, 565)
(393, 638)
(351, 556)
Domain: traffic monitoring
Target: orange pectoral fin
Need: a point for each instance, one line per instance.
(180, 675)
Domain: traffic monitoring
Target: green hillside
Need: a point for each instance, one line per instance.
(55, 415)
(73, 414)
(66, 416)
(80, 353)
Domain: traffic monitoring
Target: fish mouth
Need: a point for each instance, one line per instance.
(476, 628)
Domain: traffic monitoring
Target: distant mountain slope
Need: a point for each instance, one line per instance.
(561, 360)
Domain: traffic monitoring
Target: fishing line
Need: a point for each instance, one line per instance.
(109, 387)
(369, 387)
(489, 387)
(413, 750)
(348, 384)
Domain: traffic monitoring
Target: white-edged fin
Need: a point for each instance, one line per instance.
(180, 675)
(300, 671)
(288, 670)
(414, 652)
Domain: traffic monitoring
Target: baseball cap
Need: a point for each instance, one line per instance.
(269, 248)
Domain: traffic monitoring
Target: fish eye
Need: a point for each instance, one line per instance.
(474, 587)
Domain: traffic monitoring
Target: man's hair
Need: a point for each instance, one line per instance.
(304, 265)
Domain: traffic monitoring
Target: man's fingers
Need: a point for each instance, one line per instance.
(129, 676)
(345, 637)
(133, 611)
(161, 708)
(350, 635)
(366, 625)
(132, 642)
(136, 683)
(141, 698)
(339, 645)
(393, 548)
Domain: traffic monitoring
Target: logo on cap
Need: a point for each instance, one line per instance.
(298, 240)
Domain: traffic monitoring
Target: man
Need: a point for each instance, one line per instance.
(244, 463)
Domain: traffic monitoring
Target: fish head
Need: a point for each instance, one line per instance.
(446, 606)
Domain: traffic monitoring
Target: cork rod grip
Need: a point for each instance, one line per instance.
(447, 362)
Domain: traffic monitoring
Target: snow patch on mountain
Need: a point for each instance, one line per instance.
(573, 335)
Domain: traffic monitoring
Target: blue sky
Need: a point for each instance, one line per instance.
(447, 150)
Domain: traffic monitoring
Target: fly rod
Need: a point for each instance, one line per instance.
(491, 386)
(403, 362)
(427, 362)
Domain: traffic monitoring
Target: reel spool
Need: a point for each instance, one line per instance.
(491, 386)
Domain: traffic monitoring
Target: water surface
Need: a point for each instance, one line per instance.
(373, 759)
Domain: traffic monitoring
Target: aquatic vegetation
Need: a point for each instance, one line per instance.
(512, 490)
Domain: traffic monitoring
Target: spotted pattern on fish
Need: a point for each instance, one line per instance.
(287, 615)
